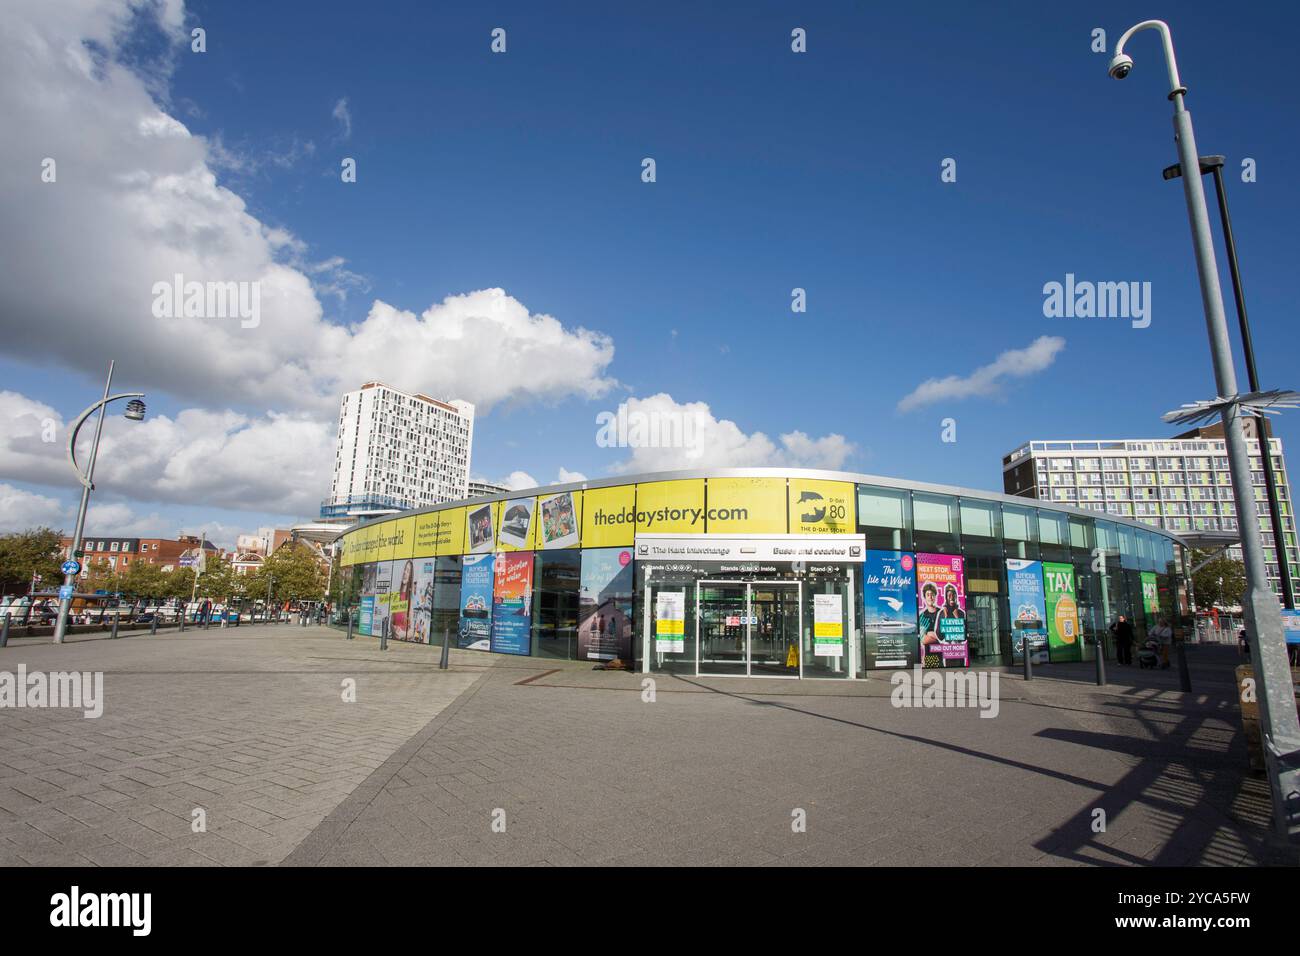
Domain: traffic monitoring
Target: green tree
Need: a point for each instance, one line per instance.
(217, 580)
(24, 553)
(295, 575)
(144, 580)
(180, 583)
(1221, 581)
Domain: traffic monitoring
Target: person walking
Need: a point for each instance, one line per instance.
(1164, 635)
(1122, 630)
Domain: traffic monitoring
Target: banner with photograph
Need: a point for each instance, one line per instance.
(420, 612)
(889, 609)
(605, 605)
(401, 600)
(1062, 612)
(480, 528)
(476, 586)
(1028, 610)
(516, 530)
(512, 603)
(557, 525)
(941, 621)
(383, 588)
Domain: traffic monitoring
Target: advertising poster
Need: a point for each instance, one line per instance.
(746, 506)
(1028, 610)
(401, 600)
(476, 584)
(558, 522)
(818, 506)
(889, 609)
(605, 605)
(365, 614)
(512, 603)
(941, 621)
(670, 622)
(1062, 612)
(828, 625)
(516, 531)
(420, 614)
(383, 585)
(670, 507)
(479, 531)
(1150, 597)
(609, 517)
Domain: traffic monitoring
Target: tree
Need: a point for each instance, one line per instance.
(24, 553)
(1220, 582)
(295, 572)
(217, 581)
(144, 580)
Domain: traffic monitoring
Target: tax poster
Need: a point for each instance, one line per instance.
(1062, 612)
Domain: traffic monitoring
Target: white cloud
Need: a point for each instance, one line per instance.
(566, 477)
(137, 202)
(344, 116)
(718, 442)
(518, 480)
(987, 379)
(277, 462)
(21, 510)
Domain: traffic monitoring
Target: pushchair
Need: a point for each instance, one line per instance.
(1149, 656)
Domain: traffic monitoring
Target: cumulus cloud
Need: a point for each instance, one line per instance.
(136, 202)
(277, 462)
(688, 435)
(21, 510)
(520, 480)
(987, 379)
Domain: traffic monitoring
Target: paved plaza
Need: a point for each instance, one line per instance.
(520, 761)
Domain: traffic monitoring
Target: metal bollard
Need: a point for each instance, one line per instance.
(1101, 661)
(1184, 674)
(349, 626)
(116, 618)
(383, 636)
(4, 632)
(153, 626)
(207, 621)
(181, 617)
(1026, 655)
(446, 643)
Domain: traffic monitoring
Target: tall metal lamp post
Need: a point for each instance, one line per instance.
(134, 412)
(1277, 707)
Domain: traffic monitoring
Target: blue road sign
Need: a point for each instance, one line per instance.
(65, 592)
(70, 567)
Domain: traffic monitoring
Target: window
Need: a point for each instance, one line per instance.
(884, 516)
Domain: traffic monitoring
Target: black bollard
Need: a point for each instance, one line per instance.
(4, 632)
(1101, 661)
(1025, 655)
(383, 636)
(153, 626)
(116, 618)
(181, 617)
(349, 625)
(446, 643)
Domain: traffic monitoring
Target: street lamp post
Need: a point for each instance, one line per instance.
(1213, 165)
(134, 412)
(1277, 709)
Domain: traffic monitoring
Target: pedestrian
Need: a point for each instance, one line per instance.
(1164, 635)
(1122, 630)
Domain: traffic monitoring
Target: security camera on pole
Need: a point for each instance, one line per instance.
(134, 412)
(1277, 707)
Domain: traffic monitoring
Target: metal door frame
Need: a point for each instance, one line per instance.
(749, 606)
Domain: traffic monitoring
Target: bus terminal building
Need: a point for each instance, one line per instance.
(760, 572)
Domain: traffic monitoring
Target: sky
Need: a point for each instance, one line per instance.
(919, 175)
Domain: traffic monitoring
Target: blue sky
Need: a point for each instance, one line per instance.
(775, 170)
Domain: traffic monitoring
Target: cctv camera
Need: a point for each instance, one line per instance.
(1120, 66)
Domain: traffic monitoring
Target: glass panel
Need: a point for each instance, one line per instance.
(556, 580)
(774, 629)
(935, 524)
(1020, 532)
(826, 598)
(884, 516)
(723, 626)
(446, 600)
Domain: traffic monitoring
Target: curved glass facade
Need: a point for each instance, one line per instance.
(759, 572)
